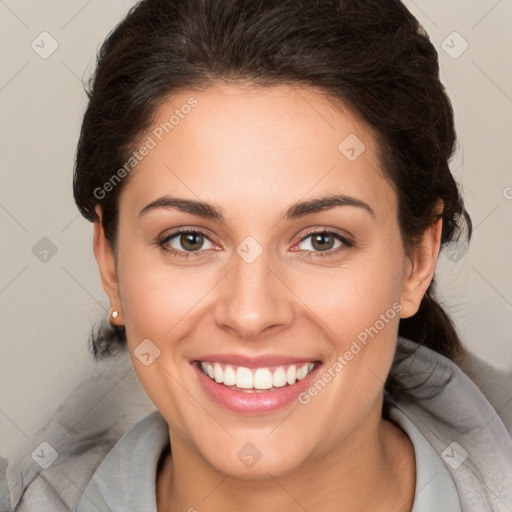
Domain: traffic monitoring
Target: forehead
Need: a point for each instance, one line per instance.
(257, 147)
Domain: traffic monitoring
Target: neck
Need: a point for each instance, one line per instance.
(363, 472)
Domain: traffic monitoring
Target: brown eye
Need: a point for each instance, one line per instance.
(324, 243)
(184, 242)
(191, 241)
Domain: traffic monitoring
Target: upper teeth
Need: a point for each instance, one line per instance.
(256, 378)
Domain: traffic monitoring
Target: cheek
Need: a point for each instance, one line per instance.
(159, 300)
(359, 309)
(351, 298)
(162, 304)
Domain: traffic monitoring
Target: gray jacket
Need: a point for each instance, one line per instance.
(471, 436)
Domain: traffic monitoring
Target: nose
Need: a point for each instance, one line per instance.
(254, 300)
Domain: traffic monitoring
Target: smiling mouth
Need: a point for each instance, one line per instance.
(256, 380)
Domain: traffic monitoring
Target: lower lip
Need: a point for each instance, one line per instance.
(251, 402)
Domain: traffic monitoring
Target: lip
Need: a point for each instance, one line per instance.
(251, 402)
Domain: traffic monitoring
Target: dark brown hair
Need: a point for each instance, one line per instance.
(370, 55)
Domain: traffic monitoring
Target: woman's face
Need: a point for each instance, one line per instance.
(268, 280)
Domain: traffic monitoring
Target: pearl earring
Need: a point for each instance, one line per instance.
(113, 314)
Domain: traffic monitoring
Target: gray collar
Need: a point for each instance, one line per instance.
(122, 481)
(460, 424)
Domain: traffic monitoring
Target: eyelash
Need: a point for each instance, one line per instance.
(347, 243)
(181, 254)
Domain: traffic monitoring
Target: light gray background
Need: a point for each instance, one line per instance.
(48, 307)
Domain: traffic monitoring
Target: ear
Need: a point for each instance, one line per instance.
(420, 269)
(107, 266)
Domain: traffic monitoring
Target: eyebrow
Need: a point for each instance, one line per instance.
(295, 211)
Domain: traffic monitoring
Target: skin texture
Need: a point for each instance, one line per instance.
(253, 152)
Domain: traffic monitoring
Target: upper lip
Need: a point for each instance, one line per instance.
(254, 361)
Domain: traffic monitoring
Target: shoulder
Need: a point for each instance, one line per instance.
(494, 383)
(52, 468)
(125, 479)
(5, 502)
(465, 419)
(472, 381)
